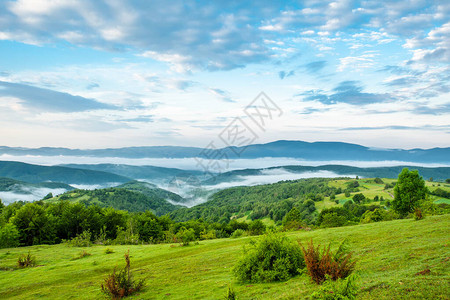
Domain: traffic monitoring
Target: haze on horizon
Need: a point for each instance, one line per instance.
(99, 74)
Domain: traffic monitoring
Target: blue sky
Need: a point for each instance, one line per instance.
(94, 74)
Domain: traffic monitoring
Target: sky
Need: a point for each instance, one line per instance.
(118, 73)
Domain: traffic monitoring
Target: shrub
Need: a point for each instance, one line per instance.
(273, 258)
(81, 240)
(333, 220)
(126, 237)
(121, 284)
(82, 254)
(26, 260)
(109, 251)
(337, 290)
(237, 233)
(207, 234)
(256, 227)
(185, 236)
(378, 215)
(418, 214)
(338, 265)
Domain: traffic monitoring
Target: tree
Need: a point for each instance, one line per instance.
(33, 224)
(358, 198)
(9, 236)
(408, 191)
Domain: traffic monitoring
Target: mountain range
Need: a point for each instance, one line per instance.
(294, 149)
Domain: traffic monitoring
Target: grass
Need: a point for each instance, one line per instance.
(389, 254)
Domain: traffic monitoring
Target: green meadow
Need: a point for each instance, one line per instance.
(401, 259)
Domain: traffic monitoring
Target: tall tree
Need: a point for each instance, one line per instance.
(408, 191)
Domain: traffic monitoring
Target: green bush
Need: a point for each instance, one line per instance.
(109, 251)
(273, 258)
(82, 254)
(256, 227)
(237, 233)
(341, 289)
(185, 236)
(81, 240)
(378, 215)
(126, 237)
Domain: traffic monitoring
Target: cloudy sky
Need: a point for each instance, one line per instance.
(113, 73)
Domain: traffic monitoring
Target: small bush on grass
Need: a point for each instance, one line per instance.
(418, 214)
(341, 289)
(320, 264)
(273, 258)
(121, 284)
(82, 254)
(81, 240)
(109, 251)
(237, 233)
(26, 260)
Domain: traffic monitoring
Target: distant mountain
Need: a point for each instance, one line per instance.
(295, 149)
(36, 174)
(137, 172)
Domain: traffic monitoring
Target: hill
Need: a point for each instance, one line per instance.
(324, 151)
(36, 174)
(401, 259)
(15, 190)
(133, 197)
(312, 195)
(12, 185)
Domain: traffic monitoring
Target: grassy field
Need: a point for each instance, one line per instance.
(390, 256)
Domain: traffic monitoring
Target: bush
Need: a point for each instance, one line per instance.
(418, 214)
(377, 215)
(341, 289)
(273, 258)
(256, 227)
(319, 265)
(82, 254)
(109, 251)
(121, 284)
(237, 233)
(81, 240)
(26, 260)
(185, 236)
(126, 237)
(333, 220)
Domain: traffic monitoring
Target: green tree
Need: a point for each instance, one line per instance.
(358, 198)
(9, 236)
(408, 191)
(33, 224)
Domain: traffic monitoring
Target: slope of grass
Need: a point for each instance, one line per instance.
(389, 254)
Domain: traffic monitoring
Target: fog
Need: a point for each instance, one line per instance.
(29, 194)
(196, 193)
(192, 163)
